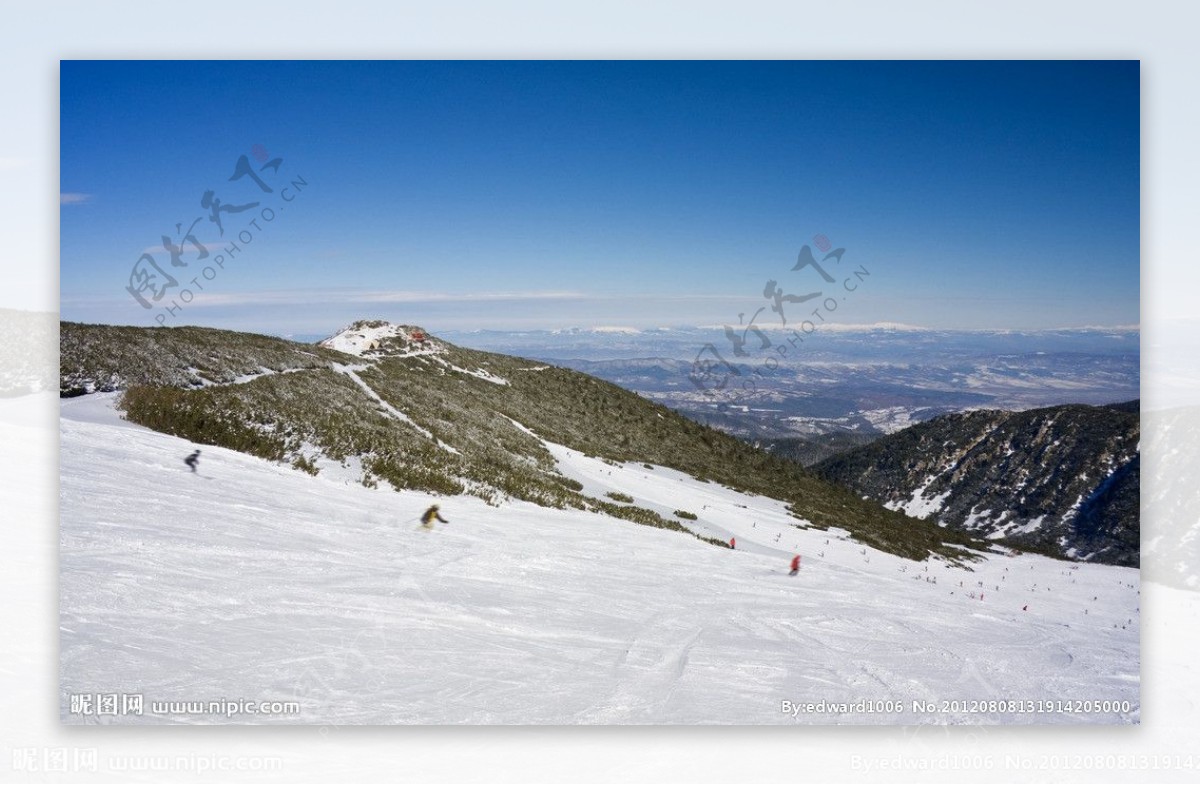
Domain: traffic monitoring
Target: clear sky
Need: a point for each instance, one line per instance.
(546, 194)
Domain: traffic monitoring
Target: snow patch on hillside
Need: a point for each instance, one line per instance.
(478, 373)
(918, 505)
(261, 372)
(891, 419)
(977, 519)
(1014, 528)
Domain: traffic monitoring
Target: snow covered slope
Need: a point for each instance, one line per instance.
(254, 581)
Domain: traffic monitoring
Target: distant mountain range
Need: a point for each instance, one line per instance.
(845, 383)
(1062, 480)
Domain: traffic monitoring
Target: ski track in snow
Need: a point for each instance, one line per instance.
(479, 373)
(265, 583)
(349, 370)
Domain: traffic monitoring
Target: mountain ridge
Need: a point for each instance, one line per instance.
(448, 421)
(1061, 479)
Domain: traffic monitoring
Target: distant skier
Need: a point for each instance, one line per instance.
(430, 515)
(192, 460)
(795, 565)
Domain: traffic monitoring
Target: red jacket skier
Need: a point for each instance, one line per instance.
(795, 565)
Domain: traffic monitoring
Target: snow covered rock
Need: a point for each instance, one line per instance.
(377, 338)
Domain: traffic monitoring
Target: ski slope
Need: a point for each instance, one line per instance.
(254, 581)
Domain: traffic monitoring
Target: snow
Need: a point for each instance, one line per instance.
(194, 373)
(478, 373)
(360, 340)
(363, 341)
(891, 419)
(616, 330)
(722, 513)
(978, 518)
(264, 371)
(918, 506)
(601, 330)
(1014, 528)
(1070, 513)
(252, 580)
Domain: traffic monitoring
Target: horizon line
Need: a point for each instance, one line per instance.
(613, 329)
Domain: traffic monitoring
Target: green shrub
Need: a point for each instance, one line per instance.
(574, 485)
(714, 541)
(637, 515)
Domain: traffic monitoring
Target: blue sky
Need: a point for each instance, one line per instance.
(543, 194)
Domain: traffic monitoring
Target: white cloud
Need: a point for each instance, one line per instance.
(353, 296)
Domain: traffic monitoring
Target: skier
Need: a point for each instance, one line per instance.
(192, 460)
(795, 565)
(430, 515)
